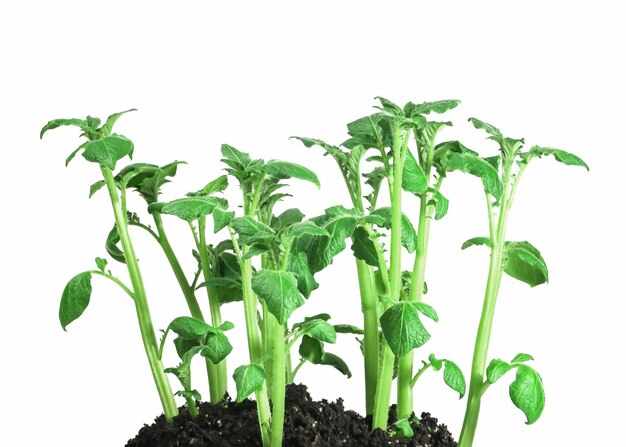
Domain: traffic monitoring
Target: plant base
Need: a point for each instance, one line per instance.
(308, 423)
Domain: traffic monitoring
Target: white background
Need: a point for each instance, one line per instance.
(252, 74)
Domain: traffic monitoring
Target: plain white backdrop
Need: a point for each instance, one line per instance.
(254, 73)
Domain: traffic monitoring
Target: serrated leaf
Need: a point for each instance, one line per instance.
(408, 235)
(75, 298)
(285, 170)
(413, 178)
(564, 157)
(403, 329)
(363, 247)
(248, 379)
(453, 377)
(280, 292)
(525, 263)
(427, 310)
(107, 127)
(108, 150)
(188, 209)
(527, 393)
(191, 328)
(112, 249)
(216, 347)
(61, 122)
(521, 358)
(480, 240)
(496, 369)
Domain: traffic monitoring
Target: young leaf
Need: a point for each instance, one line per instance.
(311, 349)
(285, 170)
(108, 150)
(250, 230)
(307, 227)
(476, 241)
(191, 328)
(491, 130)
(521, 358)
(427, 310)
(363, 247)
(61, 122)
(280, 292)
(107, 127)
(236, 156)
(348, 329)
(217, 185)
(184, 345)
(75, 298)
(413, 178)
(322, 331)
(402, 428)
(216, 347)
(189, 209)
(453, 377)
(330, 359)
(73, 154)
(95, 188)
(299, 265)
(101, 264)
(440, 203)
(559, 155)
(428, 107)
(408, 235)
(248, 379)
(476, 166)
(286, 218)
(403, 329)
(524, 262)
(436, 363)
(221, 218)
(496, 369)
(527, 393)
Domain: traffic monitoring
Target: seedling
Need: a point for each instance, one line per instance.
(520, 260)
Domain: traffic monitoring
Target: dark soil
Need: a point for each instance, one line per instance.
(308, 423)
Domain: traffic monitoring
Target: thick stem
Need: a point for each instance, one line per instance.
(141, 303)
(369, 300)
(278, 387)
(217, 373)
(192, 407)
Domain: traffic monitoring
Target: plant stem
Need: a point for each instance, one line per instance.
(405, 365)
(255, 348)
(192, 407)
(292, 375)
(278, 387)
(141, 303)
(217, 373)
(483, 335)
(116, 281)
(383, 389)
(419, 373)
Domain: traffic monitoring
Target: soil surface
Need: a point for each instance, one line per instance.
(308, 423)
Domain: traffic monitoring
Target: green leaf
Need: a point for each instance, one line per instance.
(321, 330)
(95, 188)
(147, 179)
(221, 218)
(248, 379)
(112, 249)
(413, 178)
(408, 236)
(280, 292)
(189, 209)
(329, 149)
(191, 328)
(75, 298)
(299, 265)
(440, 203)
(453, 377)
(311, 349)
(527, 393)
(251, 231)
(101, 264)
(363, 247)
(217, 185)
(61, 122)
(490, 129)
(234, 155)
(348, 329)
(330, 359)
(427, 310)
(286, 218)
(403, 329)
(524, 262)
(107, 127)
(478, 167)
(226, 326)
(184, 345)
(390, 106)
(216, 347)
(559, 155)
(402, 428)
(367, 131)
(435, 362)
(428, 107)
(285, 170)
(305, 228)
(108, 150)
(476, 241)
(496, 369)
(73, 154)
(521, 358)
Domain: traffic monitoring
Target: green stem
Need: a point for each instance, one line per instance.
(278, 387)
(192, 407)
(483, 335)
(292, 375)
(141, 303)
(255, 348)
(419, 373)
(116, 281)
(383, 389)
(217, 373)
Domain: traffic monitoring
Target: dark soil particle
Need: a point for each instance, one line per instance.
(308, 423)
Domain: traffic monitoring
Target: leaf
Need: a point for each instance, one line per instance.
(490, 129)
(330, 359)
(188, 209)
(299, 265)
(427, 310)
(75, 298)
(390, 106)
(286, 218)
(108, 150)
(285, 170)
(321, 330)
(95, 188)
(480, 240)
(478, 167)
(221, 218)
(524, 262)
(348, 329)
(413, 178)
(311, 349)
(440, 203)
(191, 328)
(408, 236)
(403, 329)
(527, 393)
(402, 428)
(226, 326)
(435, 362)
(428, 107)
(305, 228)
(248, 379)
(363, 247)
(559, 155)
(61, 122)
(107, 127)
(280, 292)
(234, 155)
(329, 149)
(250, 230)
(147, 179)
(521, 358)
(453, 377)
(216, 347)
(73, 154)
(367, 131)
(112, 249)
(496, 369)
(184, 345)
(101, 264)
(217, 185)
